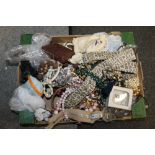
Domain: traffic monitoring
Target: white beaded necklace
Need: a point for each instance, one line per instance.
(74, 85)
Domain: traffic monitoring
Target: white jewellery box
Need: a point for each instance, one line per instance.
(121, 98)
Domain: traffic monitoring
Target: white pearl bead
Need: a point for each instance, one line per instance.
(55, 112)
(94, 107)
(95, 104)
(93, 95)
(90, 109)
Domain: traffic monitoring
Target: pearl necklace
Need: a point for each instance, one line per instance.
(74, 85)
(48, 79)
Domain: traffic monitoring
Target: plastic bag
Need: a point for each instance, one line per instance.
(42, 114)
(32, 52)
(114, 42)
(23, 100)
(26, 98)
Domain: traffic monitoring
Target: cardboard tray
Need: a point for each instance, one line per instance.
(69, 38)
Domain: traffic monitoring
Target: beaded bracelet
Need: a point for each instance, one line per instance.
(85, 72)
(127, 53)
(120, 62)
(74, 84)
(91, 57)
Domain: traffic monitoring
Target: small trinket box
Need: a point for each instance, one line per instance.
(121, 98)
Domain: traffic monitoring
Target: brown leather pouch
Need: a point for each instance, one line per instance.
(58, 52)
